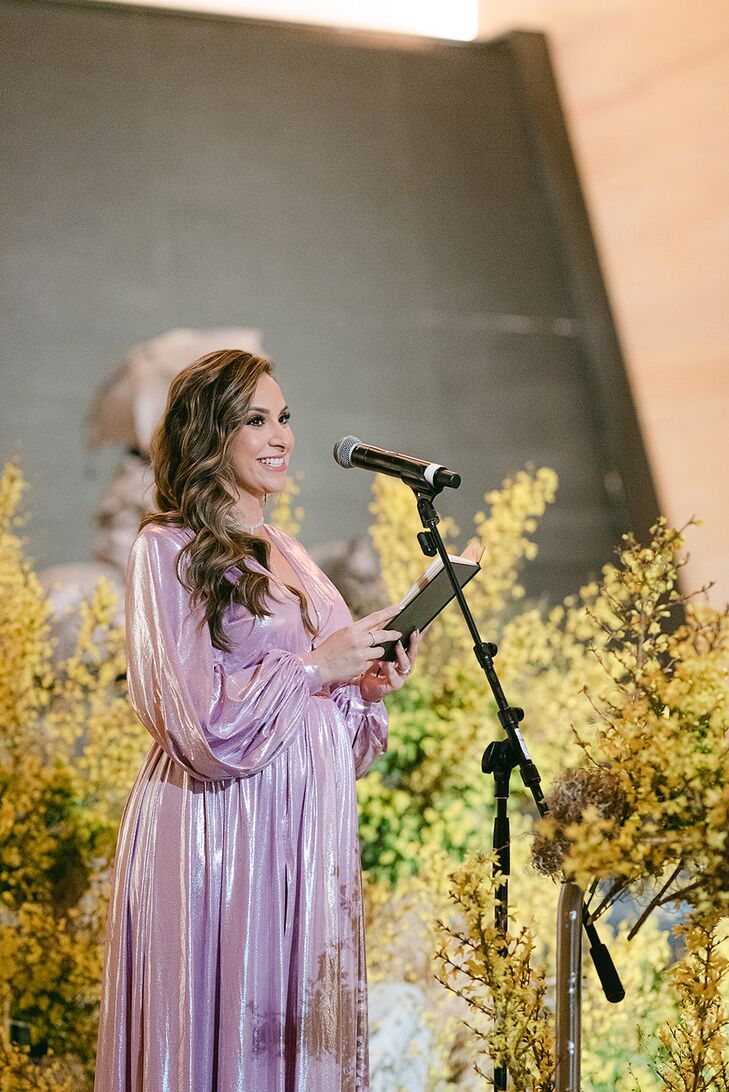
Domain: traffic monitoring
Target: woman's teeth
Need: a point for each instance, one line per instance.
(275, 463)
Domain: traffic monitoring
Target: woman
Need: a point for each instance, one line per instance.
(235, 950)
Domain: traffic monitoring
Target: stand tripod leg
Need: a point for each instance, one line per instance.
(499, 760)
(501, 910)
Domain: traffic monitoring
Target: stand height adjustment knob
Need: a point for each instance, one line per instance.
(485, 652)
(510, 716)
(427, 545)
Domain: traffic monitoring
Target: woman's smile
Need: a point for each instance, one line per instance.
(273, 462)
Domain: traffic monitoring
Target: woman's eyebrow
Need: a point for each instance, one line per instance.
(262, 409)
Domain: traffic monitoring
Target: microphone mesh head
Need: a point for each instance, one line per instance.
(343, 450)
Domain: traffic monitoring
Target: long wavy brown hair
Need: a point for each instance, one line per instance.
(196, 486)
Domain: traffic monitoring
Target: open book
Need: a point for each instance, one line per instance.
(429, 594)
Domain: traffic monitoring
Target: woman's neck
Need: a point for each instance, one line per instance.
(249, 511)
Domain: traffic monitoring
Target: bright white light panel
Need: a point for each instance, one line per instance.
(455, 19)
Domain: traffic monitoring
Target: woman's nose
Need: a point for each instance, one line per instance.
(279, 436)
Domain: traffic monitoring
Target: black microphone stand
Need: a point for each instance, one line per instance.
(503, 756)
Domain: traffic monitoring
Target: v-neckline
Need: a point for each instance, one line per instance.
(308, 581)
(305, 590)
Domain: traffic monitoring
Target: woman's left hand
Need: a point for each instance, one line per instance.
(387, 676)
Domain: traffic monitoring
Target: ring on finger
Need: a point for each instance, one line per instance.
(372, 638)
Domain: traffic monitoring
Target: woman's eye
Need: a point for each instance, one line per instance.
(258, 420)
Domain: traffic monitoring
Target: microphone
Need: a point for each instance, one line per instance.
(349, 452)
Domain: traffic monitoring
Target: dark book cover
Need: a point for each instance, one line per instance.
(426, 599)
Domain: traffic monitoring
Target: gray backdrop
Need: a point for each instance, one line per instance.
(380, 213)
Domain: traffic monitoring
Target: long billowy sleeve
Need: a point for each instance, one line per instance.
(367, 725)
(215, 724)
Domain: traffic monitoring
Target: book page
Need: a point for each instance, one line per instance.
(430, 573)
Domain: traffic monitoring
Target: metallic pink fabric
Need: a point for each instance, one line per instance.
(235, 950)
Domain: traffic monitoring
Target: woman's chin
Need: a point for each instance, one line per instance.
(276, 485)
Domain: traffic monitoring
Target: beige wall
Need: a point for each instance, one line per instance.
(645, 86)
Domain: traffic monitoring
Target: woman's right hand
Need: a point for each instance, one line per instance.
(349, 652)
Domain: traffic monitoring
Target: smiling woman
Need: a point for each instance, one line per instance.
(235, 947)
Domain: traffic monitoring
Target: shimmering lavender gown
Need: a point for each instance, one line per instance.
(235, 952)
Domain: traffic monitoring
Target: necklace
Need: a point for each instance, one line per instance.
(249, 527)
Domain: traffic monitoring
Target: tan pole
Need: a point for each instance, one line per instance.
(569, 988)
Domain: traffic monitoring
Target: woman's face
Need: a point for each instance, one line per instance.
(261, 447)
